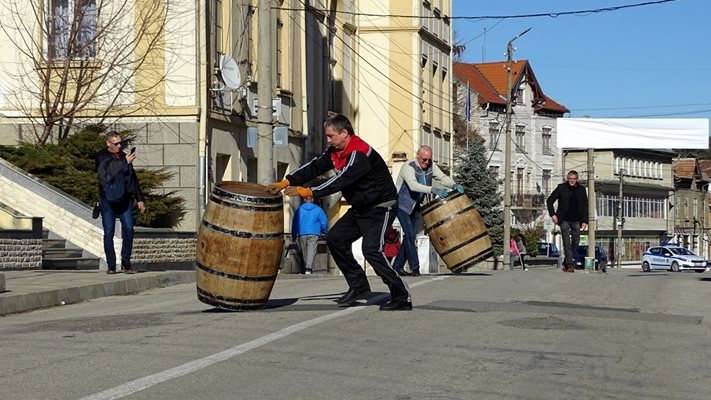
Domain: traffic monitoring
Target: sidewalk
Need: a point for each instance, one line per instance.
(31, 290)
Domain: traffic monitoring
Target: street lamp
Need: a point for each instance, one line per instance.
(507, 150)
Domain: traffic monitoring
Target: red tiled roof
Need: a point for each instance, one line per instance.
(490, 80)
(472, 76)
(684, 168)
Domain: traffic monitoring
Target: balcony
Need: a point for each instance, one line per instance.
(528, 200)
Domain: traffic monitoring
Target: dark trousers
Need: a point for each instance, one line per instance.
(108, 220)
(408, 250)
(571, 238)
(371, 225)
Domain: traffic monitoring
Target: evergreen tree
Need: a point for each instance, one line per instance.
(69, 166)
(471, 172)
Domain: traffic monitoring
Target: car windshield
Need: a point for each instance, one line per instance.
(681, 251)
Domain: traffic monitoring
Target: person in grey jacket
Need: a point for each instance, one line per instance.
(416, 180)
(571, 215)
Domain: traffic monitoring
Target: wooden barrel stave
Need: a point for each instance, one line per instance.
(239, 247)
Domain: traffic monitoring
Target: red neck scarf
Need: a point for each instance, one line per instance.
(340, 158)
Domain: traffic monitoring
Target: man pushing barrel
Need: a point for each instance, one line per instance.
(414, 182)
(365, 182)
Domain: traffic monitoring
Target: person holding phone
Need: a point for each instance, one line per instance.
(118, 189)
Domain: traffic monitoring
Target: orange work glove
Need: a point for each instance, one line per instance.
(277, 187)
(298, 191)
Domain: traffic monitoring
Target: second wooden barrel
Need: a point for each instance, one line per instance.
(457, 231)
(239, 246)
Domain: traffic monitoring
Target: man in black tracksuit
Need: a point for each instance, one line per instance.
(365, 182)
(572, 215)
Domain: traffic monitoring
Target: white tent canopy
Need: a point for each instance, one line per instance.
(633, 133)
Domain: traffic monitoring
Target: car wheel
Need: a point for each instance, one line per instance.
(675, 266)
(645, 267)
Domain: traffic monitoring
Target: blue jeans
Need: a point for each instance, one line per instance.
(108, 221)
(408, 250)
(571, 237)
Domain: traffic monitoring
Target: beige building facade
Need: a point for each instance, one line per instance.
(192, 102)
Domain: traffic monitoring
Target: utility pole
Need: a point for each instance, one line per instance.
(507, 151)
(592, 201)
(265, 141)
(618, 255)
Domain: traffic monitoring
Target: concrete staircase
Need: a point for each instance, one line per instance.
(58, 254)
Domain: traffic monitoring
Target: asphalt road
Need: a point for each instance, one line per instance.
(540, 334)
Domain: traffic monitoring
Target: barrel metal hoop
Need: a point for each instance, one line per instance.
(473, 259)
(464, 243)
(225, 302)
(248, 199)
(429, 207)
(244, 235)
(262, 278)
(451, 217)
(220, 201)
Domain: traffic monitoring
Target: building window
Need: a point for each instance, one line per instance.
(519, 95)
(493, 135)
(519, 180)
(446, 154)
(73, 30)
(426, 138)
(546, 140)
(520, 138)
(545, 180)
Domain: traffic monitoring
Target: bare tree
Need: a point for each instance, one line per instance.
(84, 59)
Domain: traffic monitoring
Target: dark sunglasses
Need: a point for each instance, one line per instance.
(116, 144)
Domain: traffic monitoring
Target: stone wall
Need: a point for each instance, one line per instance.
(165, 250)
(155, 249)
(20, 254)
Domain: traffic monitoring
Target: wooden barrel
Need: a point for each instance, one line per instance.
(239, 246)
(457, 231)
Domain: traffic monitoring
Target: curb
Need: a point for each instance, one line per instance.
(12, 304)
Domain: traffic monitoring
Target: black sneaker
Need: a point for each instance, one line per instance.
(127, 269)
(415, 273)
(403, 273)
(111, 271)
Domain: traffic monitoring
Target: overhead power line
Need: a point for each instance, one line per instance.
(535, 15)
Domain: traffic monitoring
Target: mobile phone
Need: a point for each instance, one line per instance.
(133, 149)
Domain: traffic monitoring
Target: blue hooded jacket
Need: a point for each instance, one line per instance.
(309, 219)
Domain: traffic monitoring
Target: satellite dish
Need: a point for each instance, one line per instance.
(230, 72)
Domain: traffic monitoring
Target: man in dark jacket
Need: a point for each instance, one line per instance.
(118, 188)
(572, 215)
(364, 180)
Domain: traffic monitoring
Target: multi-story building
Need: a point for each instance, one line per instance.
(404, 81)
(647, 186)
(535, 160)
(689, 211)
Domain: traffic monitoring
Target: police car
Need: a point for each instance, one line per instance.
(672, 258)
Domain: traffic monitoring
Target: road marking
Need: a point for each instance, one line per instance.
(144, 383)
